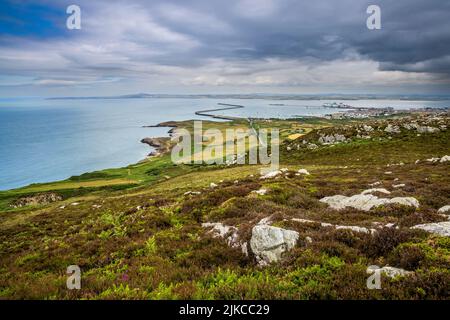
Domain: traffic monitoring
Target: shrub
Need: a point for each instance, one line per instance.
(385, 240)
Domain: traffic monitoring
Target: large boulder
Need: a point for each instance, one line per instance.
(269, 243)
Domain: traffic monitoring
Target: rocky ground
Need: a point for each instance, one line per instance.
(351, 198)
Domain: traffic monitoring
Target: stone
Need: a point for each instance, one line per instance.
(444, 209)
(389, 271)
(392, 129)
(303, 171)
(400, 185)
(37, 199)
(444, 159)
(325, 224)
(212, 185)
(260, 192)
(406, 201)
(269, 243)
(366, 202)
(427, 129)
(229, 233)
(439, 228)
(271, 174)
(191, 192)
(330, 139)
(381, 190)
(265, 221)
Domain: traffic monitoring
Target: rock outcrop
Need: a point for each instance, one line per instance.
(373, 190)
(444, 209)
(392, 129)
(303, 171)
(366, 202)
(336, 226)
(439, 228)
(37, 199)
(269, 243)
(271, 174)
(332, 138)
(229, 233)
(389, 271)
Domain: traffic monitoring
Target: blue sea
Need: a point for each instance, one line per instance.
(45, 140)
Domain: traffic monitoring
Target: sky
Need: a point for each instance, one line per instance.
(226, 46)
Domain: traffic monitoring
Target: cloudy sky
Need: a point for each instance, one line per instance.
(226, 46)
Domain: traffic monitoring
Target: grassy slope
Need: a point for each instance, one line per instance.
(136, 235)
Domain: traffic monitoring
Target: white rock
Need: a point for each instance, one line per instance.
(212, 185)
(191, 192)
(388, 172)
(265, 221)
(271, 174)
(260, 192)
(444, 159)
(375, 184)
(391, 272)
(74, 203)
(444, 209)
(381, 190)
(392, 129)
(325, 224)
(303, 171)
(308, 239)
(269, 243)
(229, 233)
(401, 185)
(284, 169)
(406, 201)
(439, 228)
(356, 229)
(427, 129)
(365, 202)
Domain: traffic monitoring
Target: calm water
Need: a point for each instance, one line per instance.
(47, 140)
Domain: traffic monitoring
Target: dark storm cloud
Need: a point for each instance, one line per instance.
(126, 39)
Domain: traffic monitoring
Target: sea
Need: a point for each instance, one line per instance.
(43, 140)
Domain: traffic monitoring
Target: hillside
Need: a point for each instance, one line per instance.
(156, 230)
